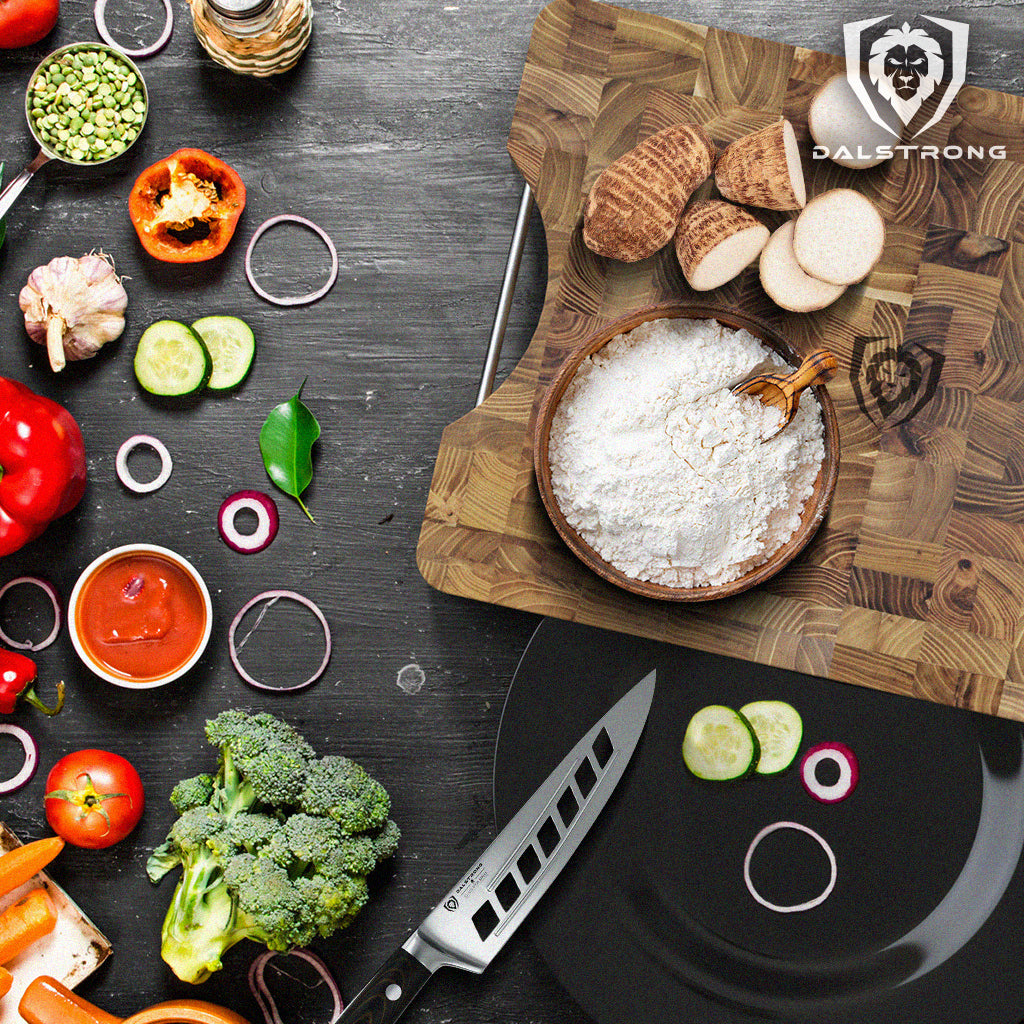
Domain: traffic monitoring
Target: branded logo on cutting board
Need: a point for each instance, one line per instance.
(906, 65)
(893, 383)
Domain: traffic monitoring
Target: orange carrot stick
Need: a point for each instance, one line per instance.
(6, 980)
(17, 866)
(24, 923)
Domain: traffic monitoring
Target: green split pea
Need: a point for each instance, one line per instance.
(87, 105)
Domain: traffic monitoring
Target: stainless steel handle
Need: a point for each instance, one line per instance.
(17, 185)
(508, 290)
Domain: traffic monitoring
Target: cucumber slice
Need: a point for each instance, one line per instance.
(779, 729)
(232, 346)
(172, 360)
(720, 744)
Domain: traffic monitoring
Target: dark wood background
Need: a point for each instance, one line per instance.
(391, 135)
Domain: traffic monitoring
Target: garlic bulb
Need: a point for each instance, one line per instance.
(74, 306)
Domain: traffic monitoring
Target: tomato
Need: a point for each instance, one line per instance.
(24, 22)
(186, 206)
(93, 798)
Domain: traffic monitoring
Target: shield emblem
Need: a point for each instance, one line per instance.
(893, 383)
(906, 65)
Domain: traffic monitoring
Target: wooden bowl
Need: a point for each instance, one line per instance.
(814, 509)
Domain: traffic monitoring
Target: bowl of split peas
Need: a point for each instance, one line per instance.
(86, 103)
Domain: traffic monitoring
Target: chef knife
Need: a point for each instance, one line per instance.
(475, 919)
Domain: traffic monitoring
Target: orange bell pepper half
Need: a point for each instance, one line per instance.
(186, 206)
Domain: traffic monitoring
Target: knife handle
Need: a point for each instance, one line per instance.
(389, 992)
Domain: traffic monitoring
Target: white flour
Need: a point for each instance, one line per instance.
(669, 483)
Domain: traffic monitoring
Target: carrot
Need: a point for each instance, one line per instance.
(17, 866)
(6, 980)
(25, 922)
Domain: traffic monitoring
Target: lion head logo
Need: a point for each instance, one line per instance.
(905, 65)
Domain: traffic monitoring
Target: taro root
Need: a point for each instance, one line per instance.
(635, 204)
(763, 169)
(839, 237)
(715, 241)
(785, 282)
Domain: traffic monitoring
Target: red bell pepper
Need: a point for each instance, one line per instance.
(186, 206)
(18, 681)
(42, 464)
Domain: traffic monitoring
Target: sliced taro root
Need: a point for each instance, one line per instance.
(839, 237)
(715, 241)
(635, 204)
(763, 169)
(784, 281)
(839, 123)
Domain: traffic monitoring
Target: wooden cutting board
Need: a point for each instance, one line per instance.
(915, 583)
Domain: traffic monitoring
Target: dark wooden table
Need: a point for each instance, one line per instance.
(390, 135)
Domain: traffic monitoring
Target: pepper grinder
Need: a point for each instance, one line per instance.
(253, 37)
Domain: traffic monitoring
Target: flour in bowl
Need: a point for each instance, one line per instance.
(662, 471)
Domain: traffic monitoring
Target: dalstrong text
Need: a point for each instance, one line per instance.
(926, 152)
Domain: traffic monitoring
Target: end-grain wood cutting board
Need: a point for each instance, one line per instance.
(915, 583)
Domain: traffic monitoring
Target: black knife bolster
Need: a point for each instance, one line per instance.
(389, 992)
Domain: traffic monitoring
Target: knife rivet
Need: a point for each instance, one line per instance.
(393, 992)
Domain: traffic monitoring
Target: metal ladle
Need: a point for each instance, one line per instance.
(46, 153)
(783, 390)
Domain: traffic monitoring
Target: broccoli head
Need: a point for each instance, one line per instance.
(276, 847)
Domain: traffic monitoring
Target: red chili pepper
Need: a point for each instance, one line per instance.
(42, 464)
(185, 207)
(18, 680)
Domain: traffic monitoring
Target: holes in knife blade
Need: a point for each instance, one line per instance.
(548, 837)
(507, 892)
(567, 807)
(485, 919)
(585, 778)
(528, 864)
(603, 748)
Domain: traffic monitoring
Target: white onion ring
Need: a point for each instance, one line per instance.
(124, 473)
(793, 908)
(51, 592)
(271, 596)
(267, 521)
(100, 16)
(293, 300)
(261, 992)
(28, 769)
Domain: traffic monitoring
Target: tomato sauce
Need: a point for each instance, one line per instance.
(140, 617)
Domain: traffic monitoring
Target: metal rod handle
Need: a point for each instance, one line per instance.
(17, 185)
(508, 290)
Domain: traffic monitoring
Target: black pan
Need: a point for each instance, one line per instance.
(652, 919)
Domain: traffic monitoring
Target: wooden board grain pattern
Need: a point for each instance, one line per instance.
(915, 583)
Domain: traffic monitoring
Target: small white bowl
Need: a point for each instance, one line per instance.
(114, 554)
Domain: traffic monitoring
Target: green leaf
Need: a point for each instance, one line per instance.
(286, 444)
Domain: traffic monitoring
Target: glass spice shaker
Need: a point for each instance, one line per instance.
(253, 37)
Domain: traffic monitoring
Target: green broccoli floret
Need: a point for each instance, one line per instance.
(277, 852)
(344, 791)
(194, 792)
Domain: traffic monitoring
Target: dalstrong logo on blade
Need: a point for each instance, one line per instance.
(906, 65)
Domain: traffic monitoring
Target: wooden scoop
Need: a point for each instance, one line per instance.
(47, 1001)
(783, 390)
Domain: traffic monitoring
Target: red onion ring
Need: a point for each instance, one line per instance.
(124, 473)
(267, 521)
(261, 992)
(849, 772)
(271, 596)
(51, 592)
(28, 769)
(293, 300)
(100, 16)
(792, 908)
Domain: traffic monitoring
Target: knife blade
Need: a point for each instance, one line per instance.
(478, 915)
